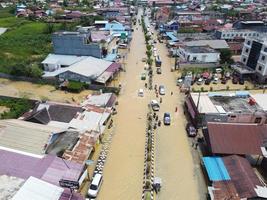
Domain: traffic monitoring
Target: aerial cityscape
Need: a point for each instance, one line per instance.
(133, 100)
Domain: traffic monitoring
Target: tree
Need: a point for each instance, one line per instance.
(226, 56)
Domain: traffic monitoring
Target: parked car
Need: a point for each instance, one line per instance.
(200, 81)
(179, 81)
(154, 105)
(224, 80)
(167, 119)
(218, 70)
(215, 80)
(235, 80)
(241, 81)
(227, 75)
(143, 76)
(161, 90)
(122, 46)
(191, 130)
(159, 70)
(207, 81)
(141, 92)
(95, 186)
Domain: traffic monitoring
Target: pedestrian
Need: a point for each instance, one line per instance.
(171, 93)
(160, 100)
(196, 145)
(176, 109)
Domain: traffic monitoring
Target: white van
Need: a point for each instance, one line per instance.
(95, 186)
(140, 92)
(154, 105)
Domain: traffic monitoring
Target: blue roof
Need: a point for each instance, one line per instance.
(111, 57)
(242, 93)
(171, 35)
(114, 26)
(216, 169)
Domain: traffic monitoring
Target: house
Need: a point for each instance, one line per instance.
(254, 56)
(100, 100)
(35, 138)
(198, 54)
(232, 34)
(230, 107)
(214, 44)
(236, 138)
(171, 26)
(232, 177)
(75, 43)
(87, 70)
(49, 169)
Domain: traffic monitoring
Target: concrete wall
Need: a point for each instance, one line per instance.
(199, 57)
(74, 77)
(75, 45)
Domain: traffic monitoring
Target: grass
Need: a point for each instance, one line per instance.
(6, 12)
(24, 45)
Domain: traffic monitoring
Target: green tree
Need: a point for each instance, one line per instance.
(226, 56)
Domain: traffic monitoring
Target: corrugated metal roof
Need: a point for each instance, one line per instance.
(66, 60)
(215, 44)
(261, 100)
(215, 168)
(232, 138)
(224, 190)
(242, 175)
(37, 189)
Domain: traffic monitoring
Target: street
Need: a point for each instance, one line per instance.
(123, 172)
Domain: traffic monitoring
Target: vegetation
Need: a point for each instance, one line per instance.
(17, 107)
(24, 46)
(226, 56)
(75, 86)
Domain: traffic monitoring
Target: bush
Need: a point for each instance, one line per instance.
(148, 184)
(17, 107)
(246, 87)
(227, 87)
(202, 89)
(211, 88)
(75, 86)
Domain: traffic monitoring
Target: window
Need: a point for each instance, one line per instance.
(245, 34)
(194, 58)
(248, 42)
(247, 50)
(254, 34)
(228, 35)
(263, 58)
(241, 34)
(249, 34)
(233, 35)
(233, 116)
(265, 50)
(244, 60)
(223, 35)
(260, 68)
(258, 120)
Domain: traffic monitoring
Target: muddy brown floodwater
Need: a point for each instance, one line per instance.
(123, 171)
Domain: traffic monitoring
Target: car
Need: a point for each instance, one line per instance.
(167, 119)
(200, 81)
(158, 70)
(235, 80)
(155, 41)
(227, 75)
(95, 186)
(141, 92)
(191, 130)
(215, 80)
(154, 105)
(224, 80)
(218, 70)
(122, 46)
(207, 81)
(161, 90)
(241, 81)
(179, 81)
(143, 76)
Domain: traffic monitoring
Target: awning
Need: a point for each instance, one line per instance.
(190, 108)
(111, 57)
(104, 77)
(216, 169)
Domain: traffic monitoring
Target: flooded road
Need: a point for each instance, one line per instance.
(174, 163)
(123, 171)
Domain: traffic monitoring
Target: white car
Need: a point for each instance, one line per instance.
(161, 90)
(95, 186)
(154, 105)
(215, 80)
(141, 92)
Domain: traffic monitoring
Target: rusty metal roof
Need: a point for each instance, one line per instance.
(242, 176)
(232, 138)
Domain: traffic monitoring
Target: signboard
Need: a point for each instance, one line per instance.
(69, 184)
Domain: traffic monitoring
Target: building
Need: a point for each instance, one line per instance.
(214, 44)
(260, 26)
(232, 34)
(75, 43)
(198, 54)
(254, 56)
(230, 107)
(236, 138)
(232, 177)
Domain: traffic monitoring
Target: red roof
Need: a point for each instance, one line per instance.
(232, 138)
(224, 190)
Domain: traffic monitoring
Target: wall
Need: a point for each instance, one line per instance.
(74, 77)
(200, 57)
(75, 45)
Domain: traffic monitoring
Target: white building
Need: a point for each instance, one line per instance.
(254, 56)
(198, 54)
(230, 34)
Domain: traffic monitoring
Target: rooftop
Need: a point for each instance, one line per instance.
(33, 137)
(235, 138)
(215, 44)
(9, 186)
(65, 60)
(101, 100)
(199, 49)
